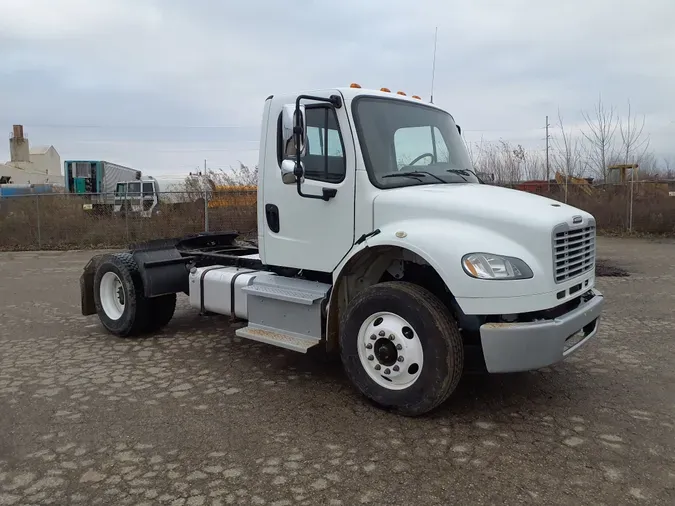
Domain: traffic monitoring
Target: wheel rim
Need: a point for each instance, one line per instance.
(113, 296)
(390, 351)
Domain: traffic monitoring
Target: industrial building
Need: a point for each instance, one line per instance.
(37, 165)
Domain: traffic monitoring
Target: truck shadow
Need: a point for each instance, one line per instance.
(476, 395)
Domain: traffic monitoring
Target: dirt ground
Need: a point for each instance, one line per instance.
(194, 416)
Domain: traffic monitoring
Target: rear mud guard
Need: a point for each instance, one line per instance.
(87, 303)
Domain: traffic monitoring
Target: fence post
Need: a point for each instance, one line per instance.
(126, 219)
(39, 231)
(630, 205)
(206, 211)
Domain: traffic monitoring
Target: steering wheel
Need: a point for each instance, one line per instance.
(420, 157)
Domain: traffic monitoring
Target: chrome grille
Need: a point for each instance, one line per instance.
(573, 252)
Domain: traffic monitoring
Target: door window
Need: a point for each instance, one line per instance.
(324, 159)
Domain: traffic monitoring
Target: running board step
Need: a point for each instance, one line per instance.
(285, 312)
(288, 340)
(298, 291)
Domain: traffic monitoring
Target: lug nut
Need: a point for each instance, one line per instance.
(399, 347)
(392, 337)
(396, 368)
(378, 367)
(370, 357)
(387, 371)
(400, 359)
(369, 346)
(373, 337)
(382, 333)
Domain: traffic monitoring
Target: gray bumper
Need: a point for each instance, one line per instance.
(513, 347)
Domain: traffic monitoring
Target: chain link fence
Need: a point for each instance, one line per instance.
(644, 207)
(58, 221)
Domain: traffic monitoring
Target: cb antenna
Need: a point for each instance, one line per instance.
(433, 68)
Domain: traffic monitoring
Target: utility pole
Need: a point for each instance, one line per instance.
(548, 167)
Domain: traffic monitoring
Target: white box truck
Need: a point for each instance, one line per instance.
(376, 241)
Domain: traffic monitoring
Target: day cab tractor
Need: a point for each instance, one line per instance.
(377, 242)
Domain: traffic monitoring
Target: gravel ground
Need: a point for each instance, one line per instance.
(194, 416)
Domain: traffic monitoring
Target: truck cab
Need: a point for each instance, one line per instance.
(147, 196)
(137, 197)
(378, 242)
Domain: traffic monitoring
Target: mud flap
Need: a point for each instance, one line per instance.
(87, 285)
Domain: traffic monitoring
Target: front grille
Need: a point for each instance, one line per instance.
(573, 252)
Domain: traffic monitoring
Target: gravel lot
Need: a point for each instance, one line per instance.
(196, 417)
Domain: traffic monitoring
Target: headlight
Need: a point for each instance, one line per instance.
(489, 266)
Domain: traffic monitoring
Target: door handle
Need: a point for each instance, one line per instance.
(272, 216)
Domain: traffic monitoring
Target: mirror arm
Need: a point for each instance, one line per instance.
(326, 193)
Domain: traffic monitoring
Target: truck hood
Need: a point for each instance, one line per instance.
(442, 223)
(488, 206)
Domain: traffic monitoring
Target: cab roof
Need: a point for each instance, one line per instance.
(351, 92)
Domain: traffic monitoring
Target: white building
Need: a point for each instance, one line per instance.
(39, 165)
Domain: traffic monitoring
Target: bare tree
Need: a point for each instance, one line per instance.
(634, 143)
(568, 157)
(241, 176)
(667, 167)
(602, 128)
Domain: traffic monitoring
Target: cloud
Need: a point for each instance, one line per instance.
(163, 84)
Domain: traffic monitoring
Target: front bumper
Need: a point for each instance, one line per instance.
(513, 347)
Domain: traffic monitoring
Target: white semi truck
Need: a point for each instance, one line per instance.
(376, 241)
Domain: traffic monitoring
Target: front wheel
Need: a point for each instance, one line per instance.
(401, 347)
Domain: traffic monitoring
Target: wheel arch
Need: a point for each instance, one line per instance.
(373, 264)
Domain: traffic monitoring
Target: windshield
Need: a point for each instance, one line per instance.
(408, 144)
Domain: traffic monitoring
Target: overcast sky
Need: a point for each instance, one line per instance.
(162, 84)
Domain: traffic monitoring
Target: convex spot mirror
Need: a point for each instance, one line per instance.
(289, 121)
(294, 129)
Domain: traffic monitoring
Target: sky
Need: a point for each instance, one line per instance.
(162, 85)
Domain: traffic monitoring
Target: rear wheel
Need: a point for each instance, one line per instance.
(118, 294)
(401, 347)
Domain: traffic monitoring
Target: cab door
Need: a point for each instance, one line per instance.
(308, 233)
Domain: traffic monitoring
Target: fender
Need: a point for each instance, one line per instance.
(442, 243)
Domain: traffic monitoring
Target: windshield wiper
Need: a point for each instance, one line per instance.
(460, 172)
(416, 174)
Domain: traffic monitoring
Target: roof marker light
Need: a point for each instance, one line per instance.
(417, 97)
(401, 93)
(387, 90)
(354, 85)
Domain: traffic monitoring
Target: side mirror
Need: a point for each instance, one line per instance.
(289, 121)
(459, 129)
(288, 172)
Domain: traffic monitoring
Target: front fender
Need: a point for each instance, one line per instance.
(442, 243)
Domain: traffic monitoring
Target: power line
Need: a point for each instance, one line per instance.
(138, 127)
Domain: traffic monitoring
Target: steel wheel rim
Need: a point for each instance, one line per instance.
(390, 351)
(112, 294)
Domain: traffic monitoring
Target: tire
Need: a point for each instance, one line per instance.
(118, 278)
(431, 328)
(160, 311)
